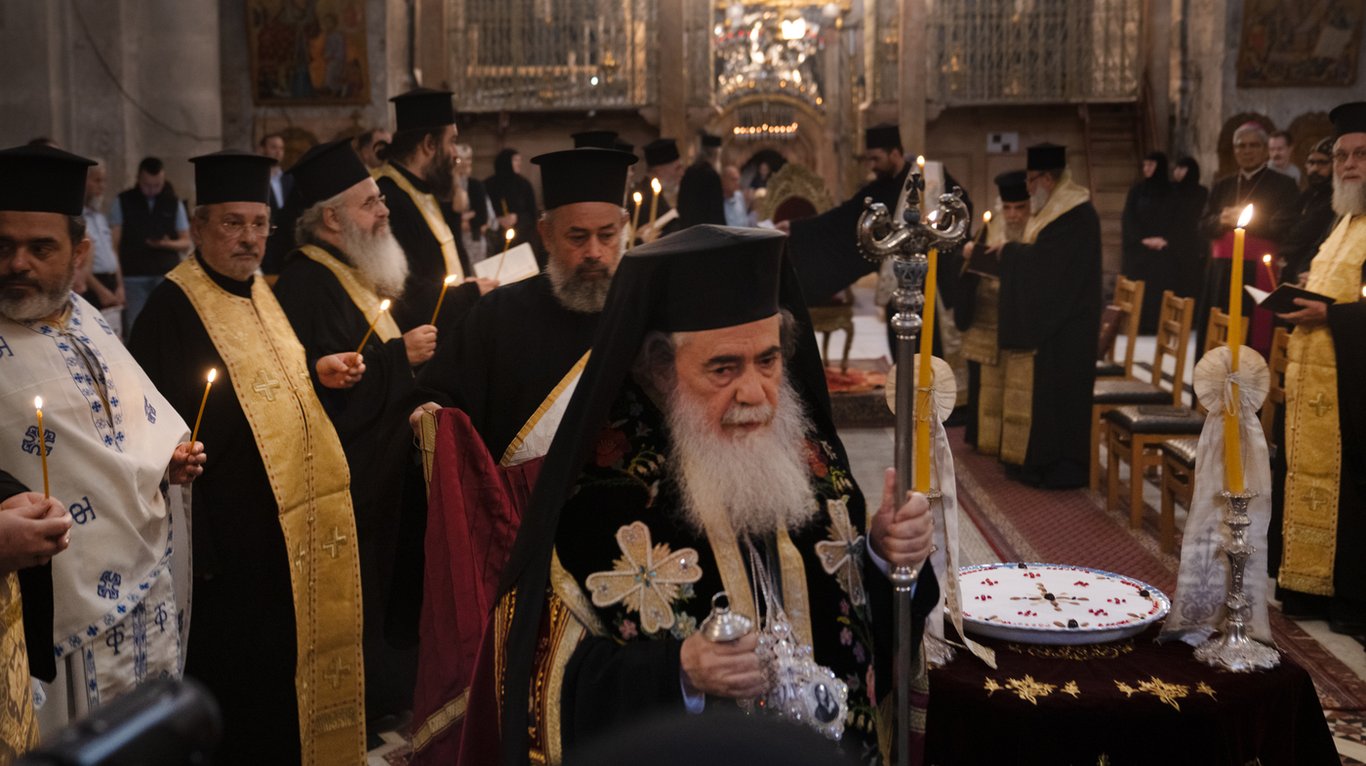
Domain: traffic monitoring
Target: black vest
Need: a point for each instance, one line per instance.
(139, 225)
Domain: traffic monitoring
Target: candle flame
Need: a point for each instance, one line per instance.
(656, 186)
(37, 402)
(510, 235)
(1267, 259)
(449, 279)
(920, 161)
(1245, 218)
(213, 374)
(986, 217)
(635, 196)
(1363, 291)
(384, 305)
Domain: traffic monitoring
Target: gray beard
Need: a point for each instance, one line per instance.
(1015, 232)
(41, 304)
(1037, 200)
(378, 257)
(1349, 199)
(760, 482)
(577, 290)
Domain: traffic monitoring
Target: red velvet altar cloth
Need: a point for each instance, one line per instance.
(1133, 702)
(474, 507)
(1254, 273)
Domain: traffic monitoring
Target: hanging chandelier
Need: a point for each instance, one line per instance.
(771, 48)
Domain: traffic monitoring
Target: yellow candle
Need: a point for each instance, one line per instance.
(445, 283)
(208, 383)
(508, 236)
(986, 222)
(654, 200)
(1233, 447)
(925, 379)
(637, 198)
(383, 307)
(42, 442)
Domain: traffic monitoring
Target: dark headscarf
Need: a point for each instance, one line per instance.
(502, 163)
(1192, 167)
(1160, 181)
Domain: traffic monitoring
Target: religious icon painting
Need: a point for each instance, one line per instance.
(308, 52)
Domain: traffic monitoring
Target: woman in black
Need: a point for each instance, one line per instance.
(1147, 237)
(512, 195)
(1188, 249)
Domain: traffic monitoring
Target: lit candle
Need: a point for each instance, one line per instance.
(1233, 448)
(208, 383)
(920, 163)
(655, 187)
(383, 307)
(925, 378)
(445, 283)
(637, 198)
(508, 236)
(42, 442)
(1271, 275)
(986, 222)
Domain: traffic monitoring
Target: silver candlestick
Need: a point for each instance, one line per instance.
(1233, 649)
(906, 238)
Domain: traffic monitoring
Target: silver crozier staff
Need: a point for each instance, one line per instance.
(905, 238)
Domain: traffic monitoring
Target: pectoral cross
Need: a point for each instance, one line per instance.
(265, 386)
(1319, 405)
(337, 539)
(336, 672)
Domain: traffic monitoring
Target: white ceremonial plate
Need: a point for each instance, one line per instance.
(1056, 603)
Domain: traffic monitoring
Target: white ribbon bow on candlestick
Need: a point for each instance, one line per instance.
(939, 649)
(1202, 582)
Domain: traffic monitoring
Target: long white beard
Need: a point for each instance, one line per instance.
(1015, 231)
(1037, 200)
(1349, 198)
(760, 480)
(377, 256)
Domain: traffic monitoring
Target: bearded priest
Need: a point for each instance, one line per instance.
(697, 457)
(277, 614)
(347, 261)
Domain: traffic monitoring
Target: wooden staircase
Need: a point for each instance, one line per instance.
(1114, 148)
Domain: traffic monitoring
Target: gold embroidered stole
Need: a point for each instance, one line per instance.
(18, 727)
(550, 402)
(431, 213)
(981, 344)
(310, 481)
(367, 302)
(1312, 429)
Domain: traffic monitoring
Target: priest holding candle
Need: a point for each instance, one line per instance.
(83, 518)
(1049, 320)
(276, 635)
(336, 288)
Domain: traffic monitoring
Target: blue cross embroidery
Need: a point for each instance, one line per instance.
(109, 584)
(149, 409)
(30, 442)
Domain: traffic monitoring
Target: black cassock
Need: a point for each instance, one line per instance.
(371, 419)
(700, 199)
(426, 263)
(1050, 303)
(1273, 197)
(513, 348)
(511, 193)
(1149, 211)
(242, 635)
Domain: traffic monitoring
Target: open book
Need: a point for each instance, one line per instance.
(516, 264)
(1282, 299)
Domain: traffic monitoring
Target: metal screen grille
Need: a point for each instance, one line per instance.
(528, 55)
(1031, 51)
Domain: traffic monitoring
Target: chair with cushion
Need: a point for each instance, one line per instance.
(1128, 304)
(1173, 333)
(1136, 435)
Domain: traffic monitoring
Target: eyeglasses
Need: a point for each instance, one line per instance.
(370, 202)
(1359, 154)
(235, 229)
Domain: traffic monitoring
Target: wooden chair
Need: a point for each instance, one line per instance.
(1173, 333)
(833, 316)
(1178, 455)
(1129, 300)
(1137, 435)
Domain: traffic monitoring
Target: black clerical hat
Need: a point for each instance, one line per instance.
(886, 136)
(624, 146)
(327, 170)
(736, 269)
(661, 151)
(1349, 118)
(423, 109)
(1046, 157)
(40, 179)
(232, 176)
(1012, 186)
(710, 141)
(587, 174)
(601, 139)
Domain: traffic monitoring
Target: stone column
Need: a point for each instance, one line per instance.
(1159, 68)
(672, 92)
(912, 88)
